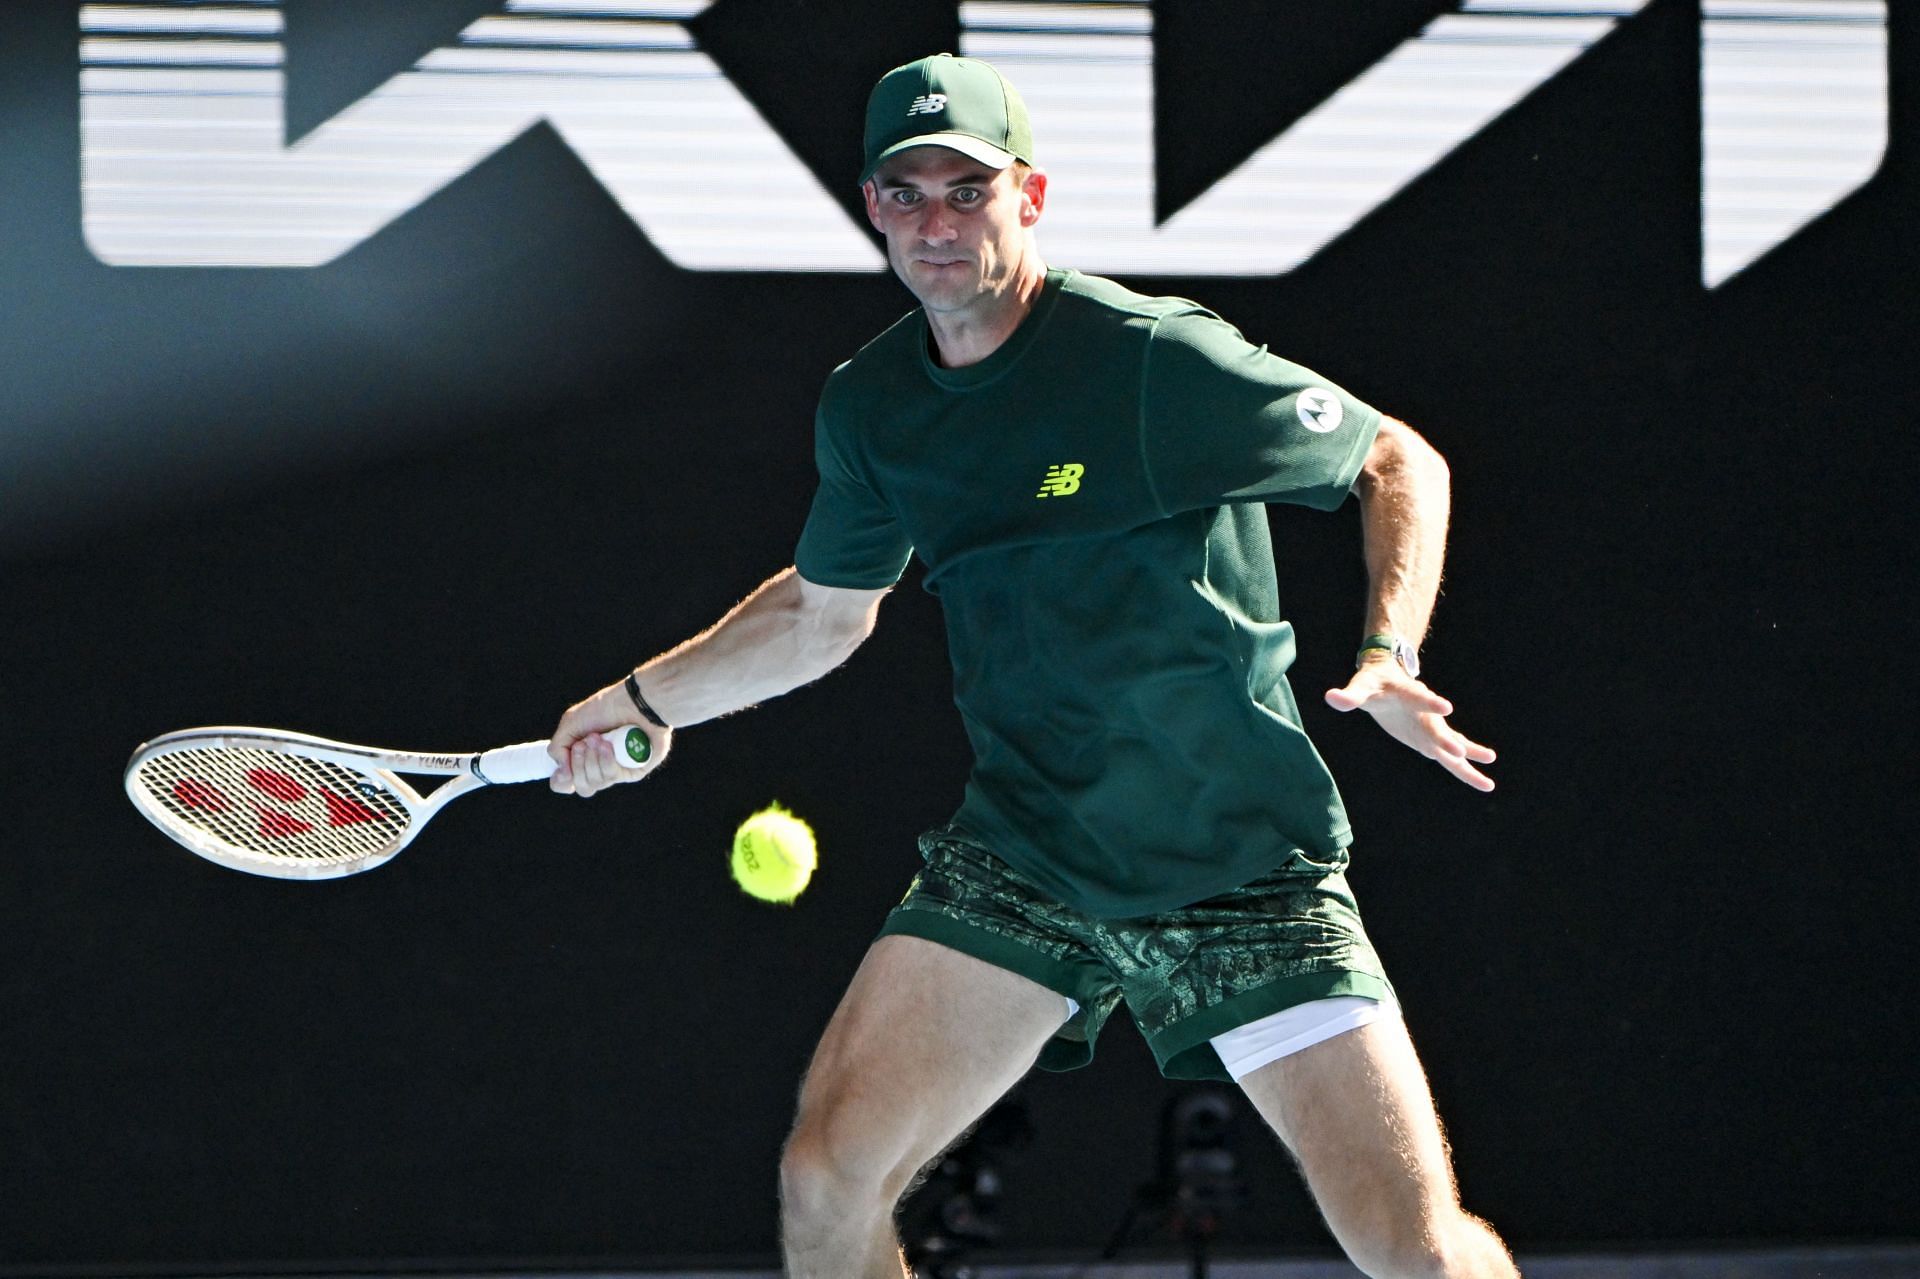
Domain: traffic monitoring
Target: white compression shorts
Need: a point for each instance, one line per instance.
(1281, 1034)
(1245, 1049)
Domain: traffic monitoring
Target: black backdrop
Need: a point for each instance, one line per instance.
(430, 493)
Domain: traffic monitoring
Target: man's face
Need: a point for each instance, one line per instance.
(955, 229)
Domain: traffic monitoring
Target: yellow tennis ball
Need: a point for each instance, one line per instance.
(773, 855)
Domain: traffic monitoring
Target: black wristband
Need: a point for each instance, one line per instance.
(633, 690)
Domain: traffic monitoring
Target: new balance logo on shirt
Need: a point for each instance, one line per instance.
(928, 104)
(1061, 480)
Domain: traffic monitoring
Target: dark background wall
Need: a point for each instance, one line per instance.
(429, 494)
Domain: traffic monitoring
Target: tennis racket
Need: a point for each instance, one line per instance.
(297, 807)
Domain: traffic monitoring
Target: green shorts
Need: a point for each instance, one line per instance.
(1187, 975)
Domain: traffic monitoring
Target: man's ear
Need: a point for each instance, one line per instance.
(872, 194)
(1034, 194)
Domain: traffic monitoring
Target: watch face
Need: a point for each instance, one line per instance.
(1408, 657)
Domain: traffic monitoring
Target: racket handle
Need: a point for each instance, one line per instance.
(529, 761)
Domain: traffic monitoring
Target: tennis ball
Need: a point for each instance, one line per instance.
(773, 855)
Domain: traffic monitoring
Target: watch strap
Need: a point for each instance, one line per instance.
(1395, 646)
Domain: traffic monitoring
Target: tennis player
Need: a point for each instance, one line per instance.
(1081, 470)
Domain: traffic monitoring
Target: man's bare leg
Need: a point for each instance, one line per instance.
(924, 1040)
(1356, 1112)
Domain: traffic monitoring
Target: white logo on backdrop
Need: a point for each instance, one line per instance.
(184, 160)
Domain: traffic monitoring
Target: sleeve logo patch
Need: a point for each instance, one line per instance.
(1061, 480)
(1319, 410)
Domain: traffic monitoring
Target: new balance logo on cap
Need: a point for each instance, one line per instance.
(928, 104)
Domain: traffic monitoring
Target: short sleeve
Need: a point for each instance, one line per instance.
(1223, 420)
(852, 538)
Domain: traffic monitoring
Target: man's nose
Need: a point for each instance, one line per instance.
(937, 226)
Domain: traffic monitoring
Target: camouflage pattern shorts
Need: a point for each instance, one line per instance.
(1187, 975)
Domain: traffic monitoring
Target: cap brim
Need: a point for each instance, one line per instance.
(965, 143)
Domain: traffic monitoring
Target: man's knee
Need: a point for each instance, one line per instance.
(831, 1165)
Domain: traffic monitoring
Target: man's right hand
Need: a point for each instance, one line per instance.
(583, 761)
(1413, 715)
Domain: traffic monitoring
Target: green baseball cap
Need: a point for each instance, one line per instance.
(944, 101)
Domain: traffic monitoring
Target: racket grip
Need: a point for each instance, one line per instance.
(529, 761)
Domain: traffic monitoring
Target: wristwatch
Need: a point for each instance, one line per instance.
(1404, 653)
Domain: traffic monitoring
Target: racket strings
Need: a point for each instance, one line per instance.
(270, 804)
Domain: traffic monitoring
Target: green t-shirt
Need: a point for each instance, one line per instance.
(1085, 500)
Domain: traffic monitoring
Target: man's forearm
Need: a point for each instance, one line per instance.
(1404, 499)
(771, 642)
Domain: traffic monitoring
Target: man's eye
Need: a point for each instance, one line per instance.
(906, 197)
(966, 195)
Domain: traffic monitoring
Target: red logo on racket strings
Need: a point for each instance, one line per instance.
(341, 810)
(189, 793)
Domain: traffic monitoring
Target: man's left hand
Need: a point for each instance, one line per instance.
(1414, 715)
